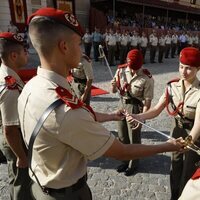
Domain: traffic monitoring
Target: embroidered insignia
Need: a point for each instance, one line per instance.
(173, 80)
(11, 82)
(196, 174)
(18, 37)
(147, 72)
(69, 99)
(122, 66)
(71, 19)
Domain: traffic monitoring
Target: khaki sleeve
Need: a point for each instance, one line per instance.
(87, 66)
(9, 111)
(81, 132)
(149, 89)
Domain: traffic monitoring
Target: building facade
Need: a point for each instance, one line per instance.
(18, 10)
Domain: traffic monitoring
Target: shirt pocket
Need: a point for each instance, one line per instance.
(190, 111)
(137, 91)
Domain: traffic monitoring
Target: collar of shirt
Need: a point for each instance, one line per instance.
(54, 77)
(137, 73)
(195, 84)
(7, 71)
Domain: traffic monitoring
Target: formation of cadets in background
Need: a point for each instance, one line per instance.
(117, 43)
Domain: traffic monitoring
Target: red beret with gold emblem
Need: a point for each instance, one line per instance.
(59, 16)
(135, 59)
(12, 37)
(190, 56)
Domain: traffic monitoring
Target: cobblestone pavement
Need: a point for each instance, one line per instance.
(151, 182)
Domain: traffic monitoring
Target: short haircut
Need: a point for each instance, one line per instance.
(45, 33)
(7, 47)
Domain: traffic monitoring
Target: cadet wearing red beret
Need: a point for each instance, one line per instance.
(61, 131)
(13, 57)
(136, 87)
(182, 101)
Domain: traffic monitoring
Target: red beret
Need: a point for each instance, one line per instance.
(190, 56)
(135, 59)
(12, 37)
(59, 16)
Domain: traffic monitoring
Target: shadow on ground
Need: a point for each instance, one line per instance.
(158, 164)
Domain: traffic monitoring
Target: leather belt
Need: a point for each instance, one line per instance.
(184, 125)
(75, 187)
(133, 101)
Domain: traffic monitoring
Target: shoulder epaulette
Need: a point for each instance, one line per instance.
(72, 101)
(173, 80)
(122, 66)
(11, 83)
(86, 58)
(147, 73)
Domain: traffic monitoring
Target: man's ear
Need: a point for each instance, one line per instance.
(13, 55)
(63, 46)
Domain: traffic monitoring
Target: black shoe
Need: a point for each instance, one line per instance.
(129, 172)
(122, 168)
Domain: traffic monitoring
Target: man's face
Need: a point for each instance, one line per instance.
(187, 72)
(21, 57)
(74, 55)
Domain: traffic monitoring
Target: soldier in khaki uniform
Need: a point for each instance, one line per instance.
(184, 98)
(136, 87)
(83, 77)
(71, 134)
(153, 41)
(13, 56)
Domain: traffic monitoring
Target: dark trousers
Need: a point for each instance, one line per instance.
(161, 53)
(173, 50)
(143, 50)
(127, 135)
(123, 53)
(182, 165)
(111, 54)
(83, 193)
(19, 180)
(167, 50)
(152, 53)
(96, 50)
(87, 47)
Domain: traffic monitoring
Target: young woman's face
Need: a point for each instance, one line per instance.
(187, 72)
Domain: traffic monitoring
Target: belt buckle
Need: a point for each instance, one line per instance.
(46, 190)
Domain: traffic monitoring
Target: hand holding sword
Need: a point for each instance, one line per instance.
(187, 143)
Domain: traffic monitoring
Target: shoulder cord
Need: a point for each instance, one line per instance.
(169, 100)
(35, 132)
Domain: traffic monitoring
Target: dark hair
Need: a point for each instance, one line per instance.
(45, 34)
(7, 47)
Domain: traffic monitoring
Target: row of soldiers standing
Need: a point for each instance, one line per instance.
(117, 44)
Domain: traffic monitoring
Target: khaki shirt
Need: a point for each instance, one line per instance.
(8, 98)
(191, 190)
(153, 40)
(142, 86)
(84, 70)
(143, 41)
(162, 41)
(68, 139)
(190, 98)
(111, 40)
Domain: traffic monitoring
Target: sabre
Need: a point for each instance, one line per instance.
(102, 55)
(188, 140)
